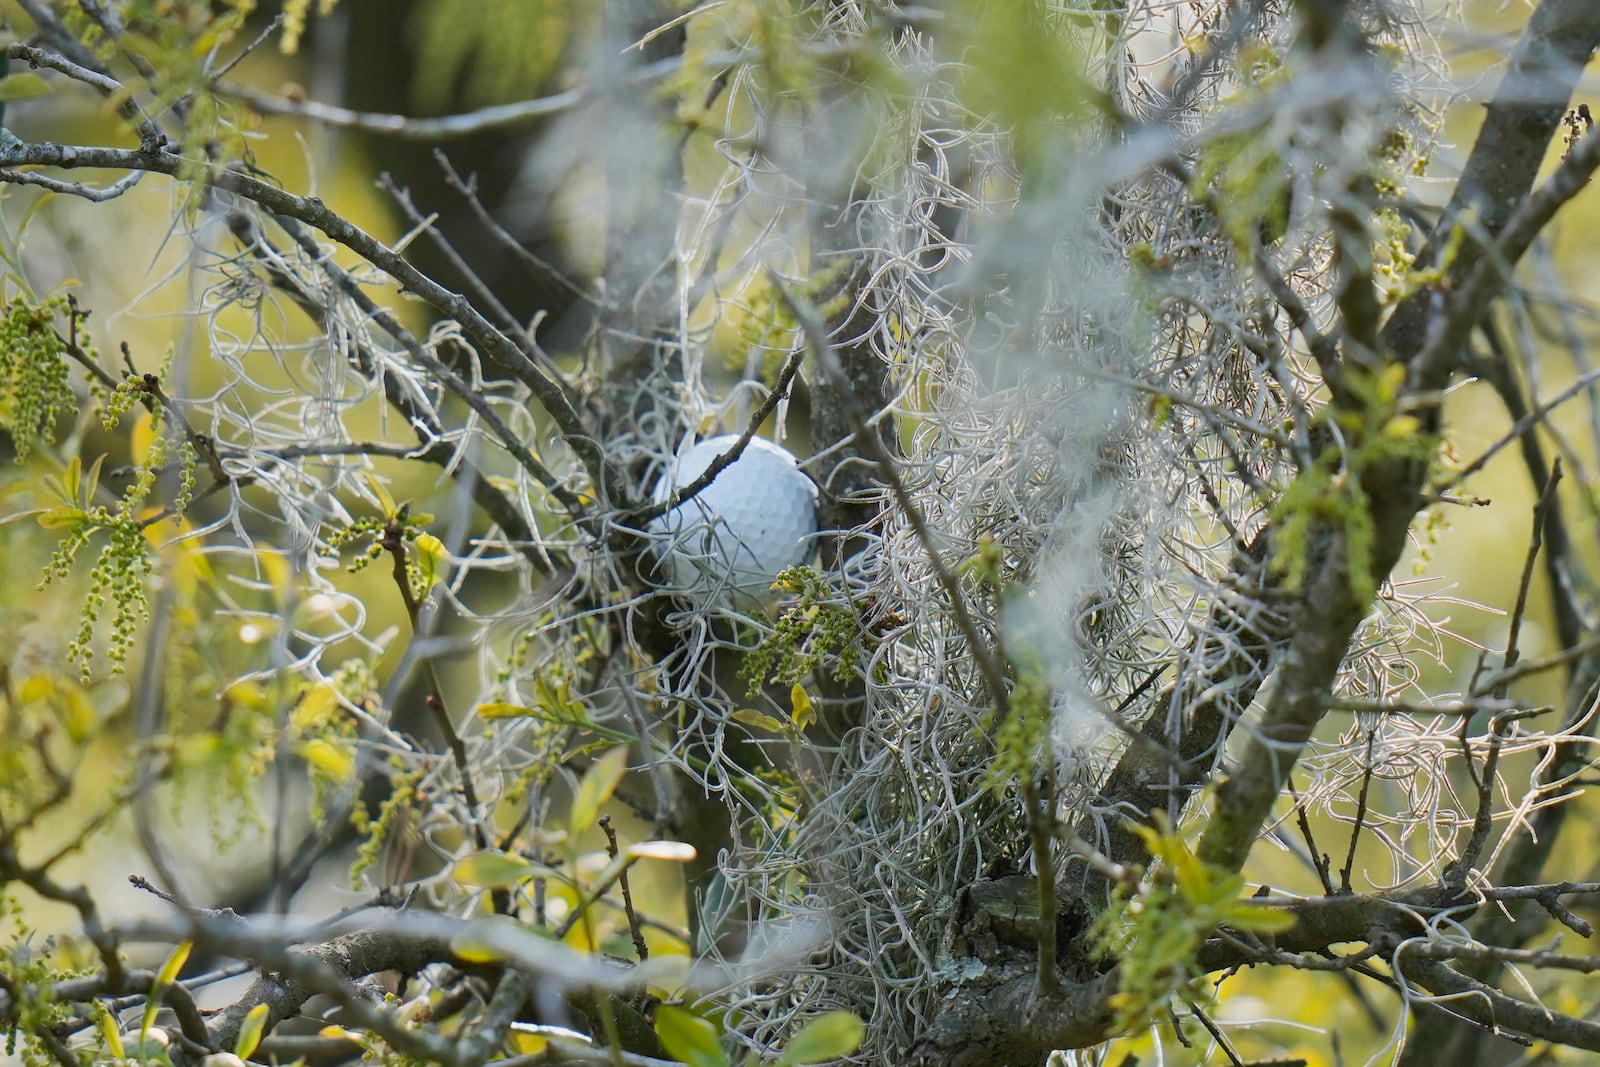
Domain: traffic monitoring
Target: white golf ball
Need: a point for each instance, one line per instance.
(730, 540)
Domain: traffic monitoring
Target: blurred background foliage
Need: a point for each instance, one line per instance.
(439, 57)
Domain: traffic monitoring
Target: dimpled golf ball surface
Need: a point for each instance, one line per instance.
(731, 539)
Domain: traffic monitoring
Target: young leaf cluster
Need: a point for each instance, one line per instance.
(184, 41)
(28, 973)
(1155, 932)
(814, 628)
(1332, 493)
(35, 383)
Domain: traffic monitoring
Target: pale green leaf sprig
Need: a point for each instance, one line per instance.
(815, 627)
(294, 22)
(1156, 930)
(1331, 494)
(691, 1039)
(121, 400)
(188, 465)
(425, 554)
(118, 576)
(30, 966)
(180, 41)
(35, 382)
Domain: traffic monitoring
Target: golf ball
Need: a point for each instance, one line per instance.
(730, 540)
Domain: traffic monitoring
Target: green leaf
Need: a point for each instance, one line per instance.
(560, 714)
(688, 1038)
(670, 851)
(23, 86)
(15, 515)
(504, 711)
(827, 1037)
(109, 1032)
(71, 478)
(431, 557)
(250, 1032)
(386, 502)
(74, 708)
(1172, 945)
(801, 700)
(493, 870)
(62, 518)
(90, 484)
(335, 761)
(1259, 919)
(760, 720)
(595, 789)
(339, 1033)
(164, 977)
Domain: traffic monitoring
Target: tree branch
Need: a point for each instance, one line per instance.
(551, 394)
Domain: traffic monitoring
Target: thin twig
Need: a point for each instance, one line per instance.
(1522, 426)
(816, 335)
(612, 850)
(1040, 808)
(1361, 815)
(98, 194)
(468, 188)
(394, 542)
(1541, 515)
(643, 515)
(293, 211)
(1529, 667)
(480, 291)
(1319, 859)
(1216, 1035)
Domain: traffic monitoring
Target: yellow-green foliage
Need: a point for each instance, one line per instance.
(218, 756)
(1247, 180)
(368, 530)
(1330, 493)
(35, 383)
(183, 40)
(1021, 66)
(325, 731)
(48, 718)
(120, 569)
(124, 562)
(394, 817)
(1397, 161)
(423, 552)
(814, 628)
(1022, 739)
(1155, 931)
(29, 970)
(1242, 174)
(497, 50)
(119, 401)
(1400, 281)
(294, 21)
